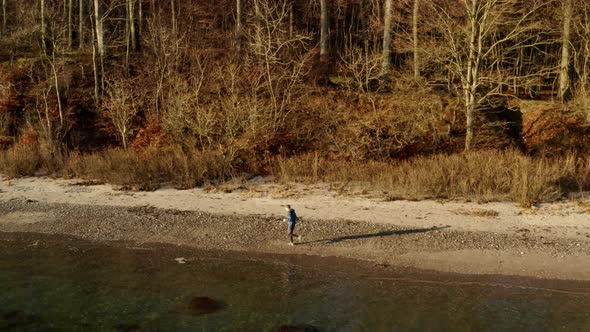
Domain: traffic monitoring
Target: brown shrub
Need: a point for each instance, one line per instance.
(29, 137)
(390, 126)
(550, 129)
(151, 135)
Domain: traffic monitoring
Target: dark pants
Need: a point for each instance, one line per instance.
(291, 228)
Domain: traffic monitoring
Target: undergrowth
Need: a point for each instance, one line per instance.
(480, 176)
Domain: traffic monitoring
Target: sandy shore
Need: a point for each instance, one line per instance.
(550, 241)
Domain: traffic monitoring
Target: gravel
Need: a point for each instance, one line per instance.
(262, 233)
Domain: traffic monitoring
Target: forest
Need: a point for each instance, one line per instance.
(448, 99)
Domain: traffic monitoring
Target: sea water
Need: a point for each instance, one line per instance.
(62, 284)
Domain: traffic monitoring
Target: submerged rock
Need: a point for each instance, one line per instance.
(204, 305)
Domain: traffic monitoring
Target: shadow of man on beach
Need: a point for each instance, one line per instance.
(379, 234)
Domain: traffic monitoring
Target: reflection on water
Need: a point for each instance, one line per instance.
(80, 286)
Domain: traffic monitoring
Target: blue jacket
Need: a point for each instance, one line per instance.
(291, 217)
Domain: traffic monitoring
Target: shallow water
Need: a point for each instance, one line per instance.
(62, 284)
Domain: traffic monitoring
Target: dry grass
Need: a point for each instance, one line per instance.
(150, 169)
(20, 160)
(307, 167)
(482, 176)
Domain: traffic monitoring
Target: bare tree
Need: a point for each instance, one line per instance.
(43, 27)
(131, 21)
(99, 31)
(493, 29)
(120, 108)
(582, 59)
(3, 17)
(139, 22)
(81, 24)
(324, 30)
(174, 21)
(258, 28)
(70, 23)
(291, 19)
(363, 64)
(54, 62)
(282, 60)
(187, 120)
(238, 33)
(564, 66)
(130, 36)
(166, 51)
(415, 17)
(387, 27)
(98, 51)
(54, 120)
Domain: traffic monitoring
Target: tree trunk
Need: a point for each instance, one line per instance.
(131, 17)
(415, 15)
(363, 21)
(582, 69)
(99, 41)
(257, 28)
(173, 17)
(470, 113)
(99, 29)
(584, 77)
(123, 132)
(564, 79)
(291, 20)
(3, 17)
(471, 78)
(385, 66)
(57, 94)
(80, 24)
(95, 70)
(139, 23)
(43, 33)
(324, 30)
(238, 36)
(70, 23)
(127, 35)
